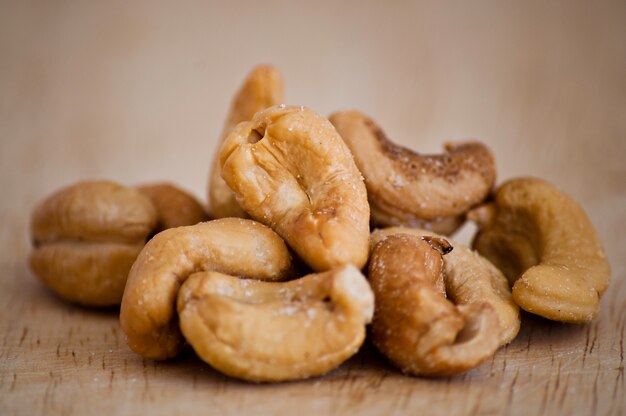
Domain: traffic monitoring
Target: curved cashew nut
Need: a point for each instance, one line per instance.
(86, 237)
(174, 206)
(547, 247)
(471, 279)
(406, 188)
(289, 169)
(229, 245)
(262, 88)
(414, 325)
(263, 331)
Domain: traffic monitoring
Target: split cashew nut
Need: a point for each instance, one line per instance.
(262, 88)
(290, 170)
(86, 237)
(545, 244)
(406, 188)
(230, 245)
(266, 331)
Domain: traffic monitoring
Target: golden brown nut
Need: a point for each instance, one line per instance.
(263, 331)
(406, 188)
(414, 325)
(86, 237)
(229, 245)
(262, 88)
(174, 206)
(290, 170)
(548, 249)
(471, 279)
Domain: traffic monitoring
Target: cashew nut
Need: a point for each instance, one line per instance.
(264, 331)
(175, 207)
(229, 245)
(86, 237)
(262, 88)
(406, 188)
(290, 170)
(471, 279)
(414, 325)
(547, 247)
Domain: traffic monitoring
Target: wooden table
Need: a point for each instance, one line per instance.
(137, 92)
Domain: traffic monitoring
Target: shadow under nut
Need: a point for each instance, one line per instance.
(414, 324)
(235, 246)
(270, 331)
(262, 88)
(471, 279)
(290, 170)
(548, 247)
(411, 187)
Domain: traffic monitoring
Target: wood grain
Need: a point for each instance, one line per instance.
(137, 92)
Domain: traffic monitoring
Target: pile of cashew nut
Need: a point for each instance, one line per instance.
(287, 279)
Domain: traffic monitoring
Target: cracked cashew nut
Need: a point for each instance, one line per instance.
(414, 325)
(545, 244)
(262, 88)
(229, 245)
(174, 206)
(267, 331)
(86, 237)
(406, 188)
(289, 169)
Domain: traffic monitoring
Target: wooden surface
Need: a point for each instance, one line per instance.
(137, 91)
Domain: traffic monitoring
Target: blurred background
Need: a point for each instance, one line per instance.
(138, 91)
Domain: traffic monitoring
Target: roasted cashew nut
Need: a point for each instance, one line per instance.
(406, 188)
(230, 245)
(86, 237)
(262, 88)
(265, 331)
(174, 206)
(290, 170)
(471, 279)
(414, 325)
(547, 247)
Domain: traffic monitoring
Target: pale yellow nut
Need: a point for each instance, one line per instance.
(415, 326)
(86, 237)
(175, 207)
(410, 189)
(262, 88)
(264, 331)
(230, 245)
(471, 279)
(545, 244)
(290, 170)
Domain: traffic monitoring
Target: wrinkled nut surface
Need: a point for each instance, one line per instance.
(175, 207)
(406, 188)
(266, 331)
(471, 279)
(290, 170)
(230, 245)
(262, 88)
(545, 244)
(86, 237)
(414, 325)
